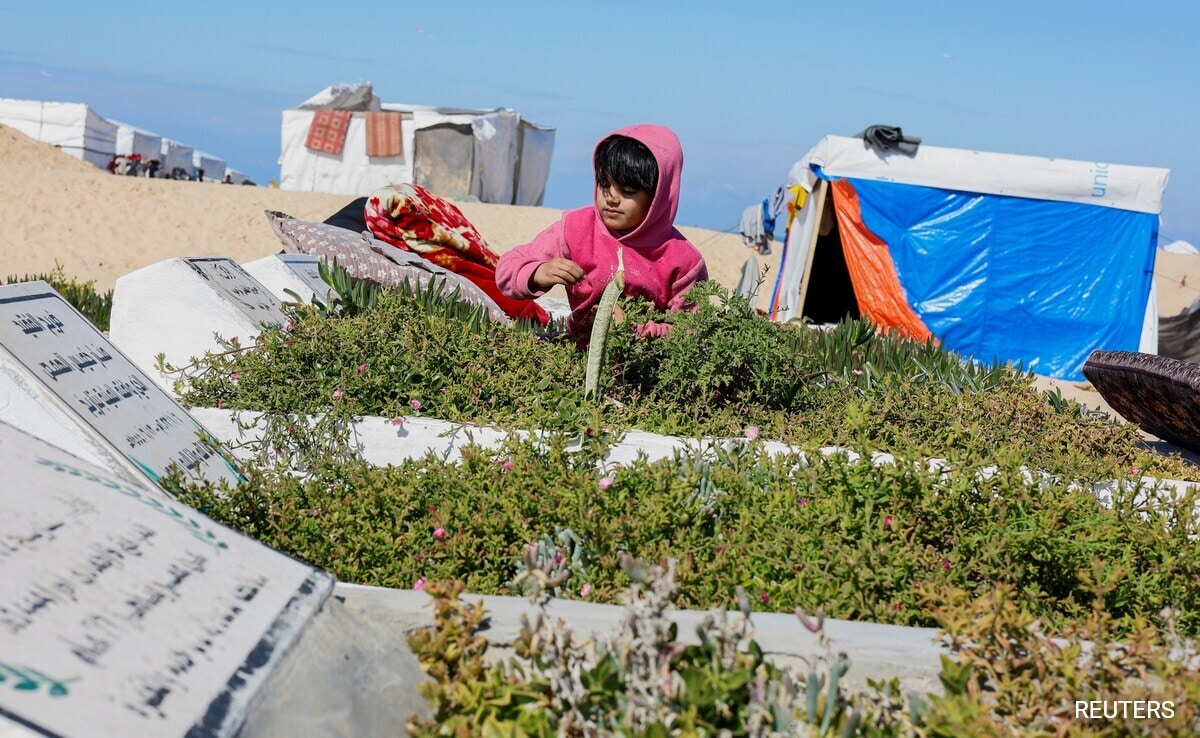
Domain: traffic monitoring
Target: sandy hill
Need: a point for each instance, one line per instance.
(54, 207)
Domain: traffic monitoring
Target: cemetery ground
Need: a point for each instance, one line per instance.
(1017, 522)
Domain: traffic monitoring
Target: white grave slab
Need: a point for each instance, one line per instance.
(123, 613)
(296, 272)
(63, 381)
(175, 306)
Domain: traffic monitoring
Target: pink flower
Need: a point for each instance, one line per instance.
(856, 372)
(337, 394)
(444, 390)
(419, 585)
(415, 404)
(291, 430)
(362, 367)
(896, 607)
(397, 421)
(558, 558)
(421, 557)
(764, 597)
(946, 564)
(802, 501)
(719, 548)
(607, 482)
(233, 376)
(439, 533)
(887, 521)
(751, 432)
(585, 590)
(507, 465)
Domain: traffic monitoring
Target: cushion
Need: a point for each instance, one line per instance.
(1161, 395)
(373, 261)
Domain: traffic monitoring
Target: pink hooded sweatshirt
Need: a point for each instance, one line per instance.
(660, 264)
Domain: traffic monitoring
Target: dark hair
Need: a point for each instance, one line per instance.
(627, 162)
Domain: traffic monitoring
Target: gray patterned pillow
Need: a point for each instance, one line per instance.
(365, 258)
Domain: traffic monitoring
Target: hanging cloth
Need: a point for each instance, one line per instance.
(327, 133)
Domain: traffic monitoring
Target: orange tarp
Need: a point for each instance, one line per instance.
(872, 271)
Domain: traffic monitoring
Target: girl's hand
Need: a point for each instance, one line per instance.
(556, 271)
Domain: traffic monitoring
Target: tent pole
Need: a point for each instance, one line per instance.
(819, 195)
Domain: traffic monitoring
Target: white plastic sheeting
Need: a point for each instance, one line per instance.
(235, 176)
(73, 127)
(175, 154)
(537, 145)
(213, 166)
(352, 172)
(511, 161)
(134, 140)
(1139, 189)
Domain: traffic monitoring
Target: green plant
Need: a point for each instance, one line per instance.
(641, 681)
(95, 306)
(347, 296)
(850, 386)
(866, 542)
(1008, 674)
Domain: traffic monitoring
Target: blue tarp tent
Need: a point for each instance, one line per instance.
(1023, 259)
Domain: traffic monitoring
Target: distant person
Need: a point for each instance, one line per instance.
(228, 179)
(632, 221)
(152, 167)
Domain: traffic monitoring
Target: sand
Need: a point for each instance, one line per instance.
(55, 208)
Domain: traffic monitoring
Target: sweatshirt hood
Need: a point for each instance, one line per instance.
(659, 224)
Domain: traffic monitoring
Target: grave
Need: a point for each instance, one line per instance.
(296, 272)
(63, 381)
(176, 306)
(123, 613)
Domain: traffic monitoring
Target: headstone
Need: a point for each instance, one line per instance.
(123, 613)
(245, 292)
(63, 381)
(176, 306)
(296, 272)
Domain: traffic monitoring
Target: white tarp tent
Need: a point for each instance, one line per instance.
(175, 155)
(493, 155)
(213, 166)
(134, 140)
(235, 176)
(73, 127)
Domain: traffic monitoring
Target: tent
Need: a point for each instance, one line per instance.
(491, 154)
(175, 155)
(134, 140)
(1024, 259)
(73, 127)
(235, 176)
(214, 167)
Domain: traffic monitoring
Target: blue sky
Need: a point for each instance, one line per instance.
(748, 88)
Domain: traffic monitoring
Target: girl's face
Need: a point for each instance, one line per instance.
(621, 208)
